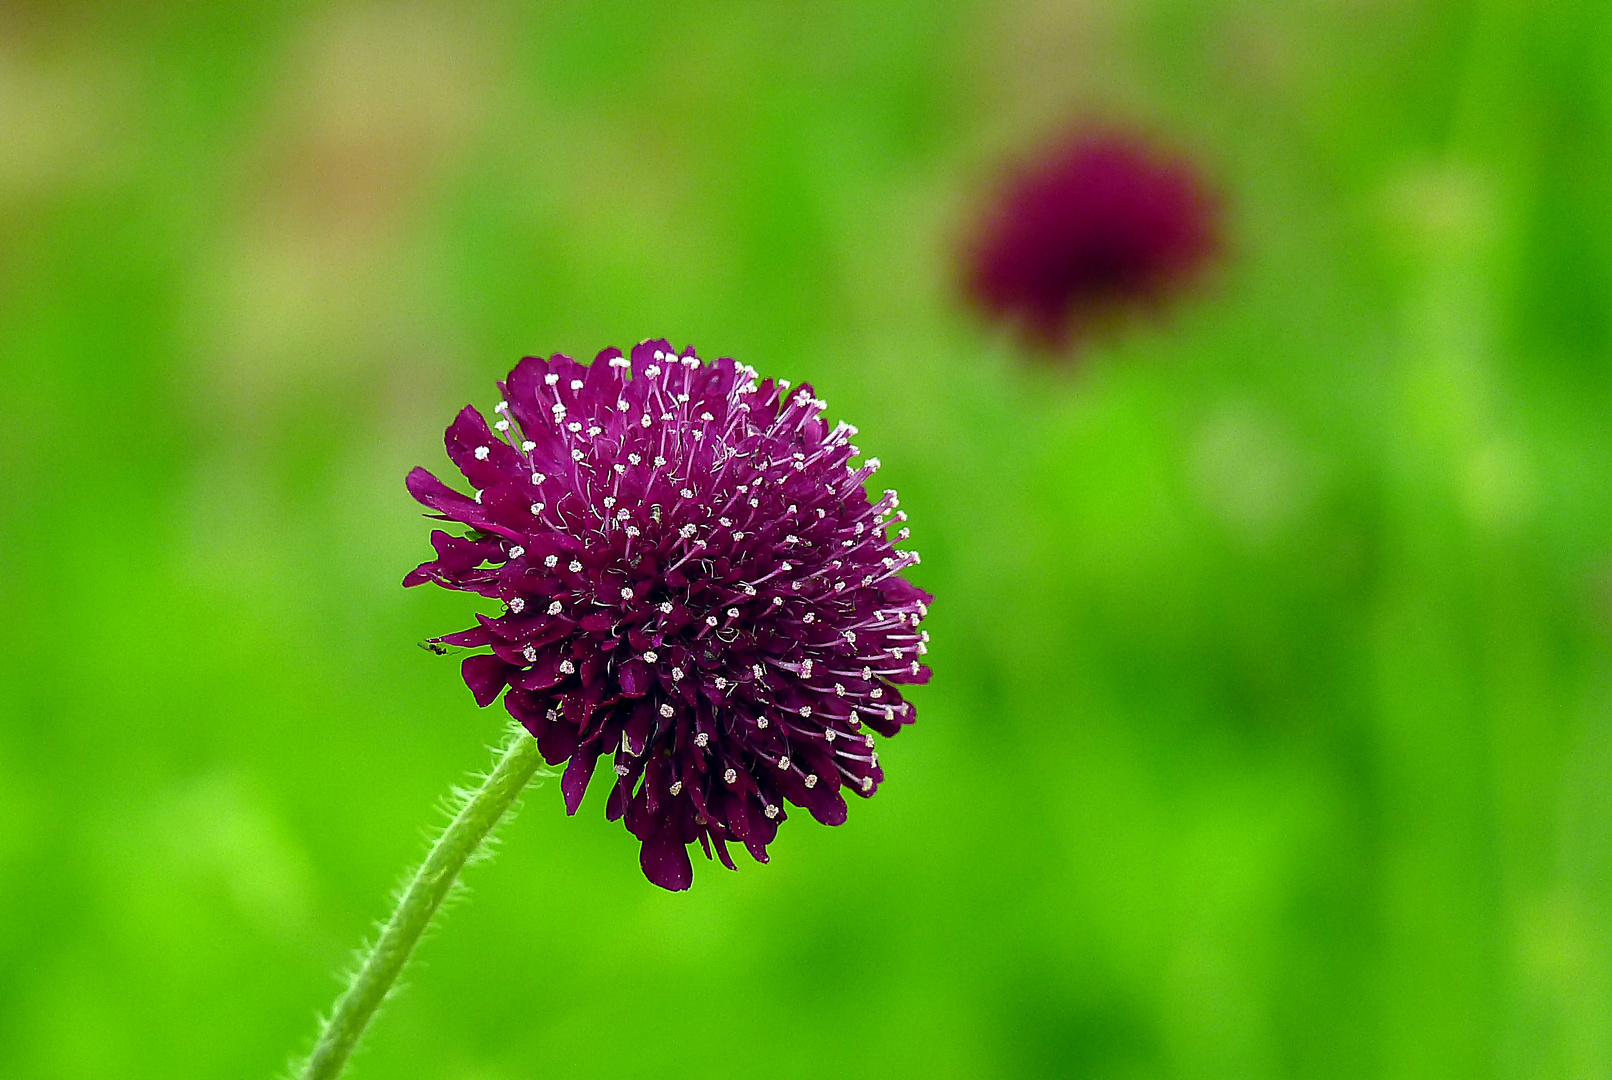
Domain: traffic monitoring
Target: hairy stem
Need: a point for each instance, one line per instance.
(426, 891)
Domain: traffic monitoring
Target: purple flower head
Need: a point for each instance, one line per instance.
(1101, 222)
(694, 582)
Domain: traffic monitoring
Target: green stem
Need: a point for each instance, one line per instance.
(430, 885)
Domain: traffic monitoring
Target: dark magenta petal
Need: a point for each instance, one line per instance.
(574, 784)
(665, 862)
(486, 676)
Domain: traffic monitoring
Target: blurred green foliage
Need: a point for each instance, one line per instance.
(1271, 733)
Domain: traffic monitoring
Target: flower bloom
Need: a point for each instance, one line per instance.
(694, 582)
(1102, 221)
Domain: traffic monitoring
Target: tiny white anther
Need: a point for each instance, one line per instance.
(811, 780)
(576, 455)
(707, 417)
(651, 371)
(677, 673)
(619, 469)
(729, 776)
(839, 689)
(478, 497)
(516, 552)
(721, 683)
(623, 514)
(806, 668)
(538, 478)
(576, 384)
(550, 561)
(644, 421)
(632, 530)
(567, 668)
(876, 693)
(482, 452)
(575, 566)
(665, 607)
(828, 735)
(635, 459)
(621, 768)
(626, 593)
(594, 432)
(574, 426)
(726, 523)
(501, 425)
(915, 667)
(701, 738)
(659, 461)
(666, 709)
(783, 762)
(530, 653)
(805, 710)
(761, 722)
(809, 617)
(517, 604)
(867, 783)
(850, 636)
(710, 620)
(677, 787)
(867, 672)
(733, 613)
(555, 608)
(550, 379)
(770, 810)
(686, 531)
(528, 446)
(651, 656)
(777, 601)
(621, 403)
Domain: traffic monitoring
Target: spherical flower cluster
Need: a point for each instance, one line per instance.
(1102, 222)
(694, 582)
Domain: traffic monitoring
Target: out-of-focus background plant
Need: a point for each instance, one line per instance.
(1271, 733)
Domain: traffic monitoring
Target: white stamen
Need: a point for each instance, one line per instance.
(567, 668)
(482, 452)
(666, 709)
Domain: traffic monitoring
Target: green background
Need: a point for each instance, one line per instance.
(1271, 729)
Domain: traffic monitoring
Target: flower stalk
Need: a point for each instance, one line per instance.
(418, 903)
